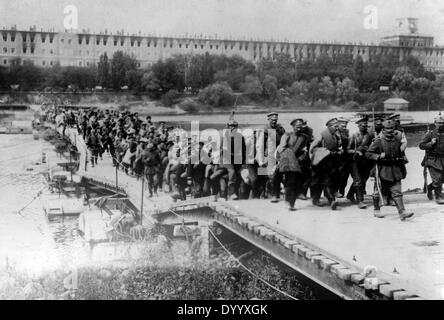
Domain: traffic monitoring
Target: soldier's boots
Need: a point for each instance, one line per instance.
(377, 209)
(403, 214)
(360, 198)
(351, 195)
(430, 190)
(334, 205)
(438, 196)
(274, 199)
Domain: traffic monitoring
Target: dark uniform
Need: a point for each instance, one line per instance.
(345, 161)
(94, 144)
(360, 164)
(433, 144)
(151, 159)
(233, 157)
(293, 156)
(390, 165)
(325, 173)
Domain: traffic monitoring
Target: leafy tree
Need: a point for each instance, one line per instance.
(252, 87)
(270, 87)
(326, 89)
(402, 79)
(218, 94)
(122, 66)
(103, 74)
(299, 89)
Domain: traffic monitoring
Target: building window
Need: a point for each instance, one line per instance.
(115, 43)
(217, 47)
(5, 37)
(43, 63)
(87, 64)
(195, 46)
(5, 50)
(12, 50)
(51, 51)
(80, 63)
(12, 38)
(149, 44)
(51, 63)
(69, 41)
(201, 46)
(62, 40)
(171, 45)
(180, 45)
(5, 61)
(211, 47)
(186, 46)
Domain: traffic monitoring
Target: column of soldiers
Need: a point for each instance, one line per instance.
(297, 159)
(335, 155)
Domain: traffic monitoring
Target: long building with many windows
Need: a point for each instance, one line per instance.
(84, 49)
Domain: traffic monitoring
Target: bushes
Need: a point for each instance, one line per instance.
(189, 105)
(217, 95)
(170, 98)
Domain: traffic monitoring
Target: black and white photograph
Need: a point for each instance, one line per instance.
(221, 150)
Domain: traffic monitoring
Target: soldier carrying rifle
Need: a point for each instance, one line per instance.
(433, 144)
(387, 150)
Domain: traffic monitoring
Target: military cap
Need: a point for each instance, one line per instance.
(232, 123)
(272, 114)
(363, 119)
(332, 122)
(343, 120)
(389, 124)
(394, 116)
(293, 122)
(144, 140)
(150, 146)
(439, 119)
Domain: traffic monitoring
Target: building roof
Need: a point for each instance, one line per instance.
(396, 101)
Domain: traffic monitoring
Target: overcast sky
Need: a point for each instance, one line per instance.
(300, 20)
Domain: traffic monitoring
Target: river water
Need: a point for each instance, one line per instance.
(28, 241)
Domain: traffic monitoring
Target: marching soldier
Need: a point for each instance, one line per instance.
(275, 177)
(433, 144)
(390, 169)
(306, 171)
(325, 152)
(293, 154)
(344, 164)
(234, 149)
(360, 165)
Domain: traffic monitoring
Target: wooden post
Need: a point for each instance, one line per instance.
(141, 202)
(117, 178)
(70, 168)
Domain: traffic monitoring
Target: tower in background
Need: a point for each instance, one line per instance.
(407, 35)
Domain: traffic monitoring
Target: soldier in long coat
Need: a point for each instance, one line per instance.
(360, 165)
(292, 155)
(433, 144)
(266, 155)
(325, 173)
(387, 151)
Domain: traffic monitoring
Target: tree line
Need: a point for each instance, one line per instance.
(215, 79)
